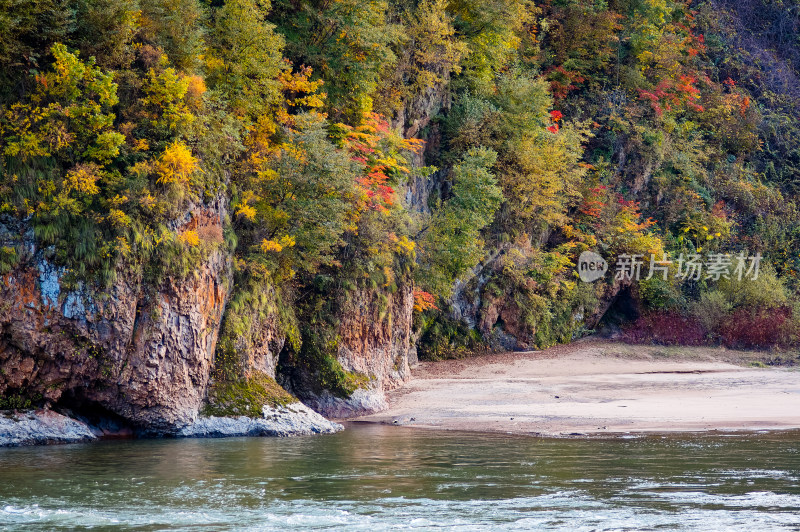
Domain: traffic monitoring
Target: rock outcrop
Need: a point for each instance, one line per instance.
(291, 420)
(375, 333)
(41, 427)
(143, 353)
(375, 341)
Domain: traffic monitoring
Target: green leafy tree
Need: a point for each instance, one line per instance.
(428, 55)
(244, 57)
(347, 42)
(296, 204)
(451, 244)
(56, 149)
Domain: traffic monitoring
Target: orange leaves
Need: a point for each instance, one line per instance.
(672, 95)
(299, 82)
(562, 81)
(403, 245)
(374, 185)
(744, 105)
(190, 238)
(83, 179)
(617, 222)
(286, 241)
(195, 88)
(686, 86)
(555, 116)
(424, 301)
(593, 202)
(299, 94)
(718, 210)
(376, 147)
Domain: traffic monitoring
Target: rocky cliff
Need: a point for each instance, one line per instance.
(145, 355)
(374, 342)
(139, 352)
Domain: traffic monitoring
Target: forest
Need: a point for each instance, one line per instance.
(467, 151)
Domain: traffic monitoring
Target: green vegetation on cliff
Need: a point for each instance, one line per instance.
(246, 397)
(540, 130)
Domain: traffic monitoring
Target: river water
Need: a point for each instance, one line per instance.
(379, 477)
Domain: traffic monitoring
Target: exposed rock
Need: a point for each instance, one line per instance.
(41, 427)
(46, 426)
(500, 319)
(375, 335)
(373, 339)
(610, 294)
(292, 420)
(143, 353)
(360, 403)
(252, 337)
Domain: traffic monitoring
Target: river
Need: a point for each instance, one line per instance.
(373, 477)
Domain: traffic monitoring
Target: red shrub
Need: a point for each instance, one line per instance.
(667, 329)
(762, 328)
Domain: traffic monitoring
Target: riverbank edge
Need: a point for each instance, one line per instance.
(48, 427)
(680, 433)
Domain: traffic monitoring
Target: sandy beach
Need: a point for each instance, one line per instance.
(598, 387)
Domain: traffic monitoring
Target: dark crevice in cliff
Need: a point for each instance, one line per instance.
(625, 308)
(104, 423)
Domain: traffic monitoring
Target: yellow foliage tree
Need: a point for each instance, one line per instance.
(176, 164)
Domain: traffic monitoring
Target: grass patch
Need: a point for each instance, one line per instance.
(442, 338)
(246, 397)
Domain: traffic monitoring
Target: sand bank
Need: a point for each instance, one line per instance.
(597, 387)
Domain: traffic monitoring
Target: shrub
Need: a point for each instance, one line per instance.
(767, 291)
(667, 329)
(443, 338)
(19, 401)
(761, 328)
(318, 357)
(712, 309)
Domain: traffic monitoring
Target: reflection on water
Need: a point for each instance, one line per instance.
(374, 477)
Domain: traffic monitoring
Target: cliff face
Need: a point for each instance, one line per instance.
(146, 354)
(375, 334)
(500, 310)
(374, 342)
(139, 352)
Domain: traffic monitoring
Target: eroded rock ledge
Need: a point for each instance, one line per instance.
(40, 427)
(295, 419)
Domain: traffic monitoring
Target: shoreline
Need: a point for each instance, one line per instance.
(49, 427)
(605, 436)
(597, 388)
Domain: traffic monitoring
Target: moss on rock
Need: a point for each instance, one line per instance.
(246, 397)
